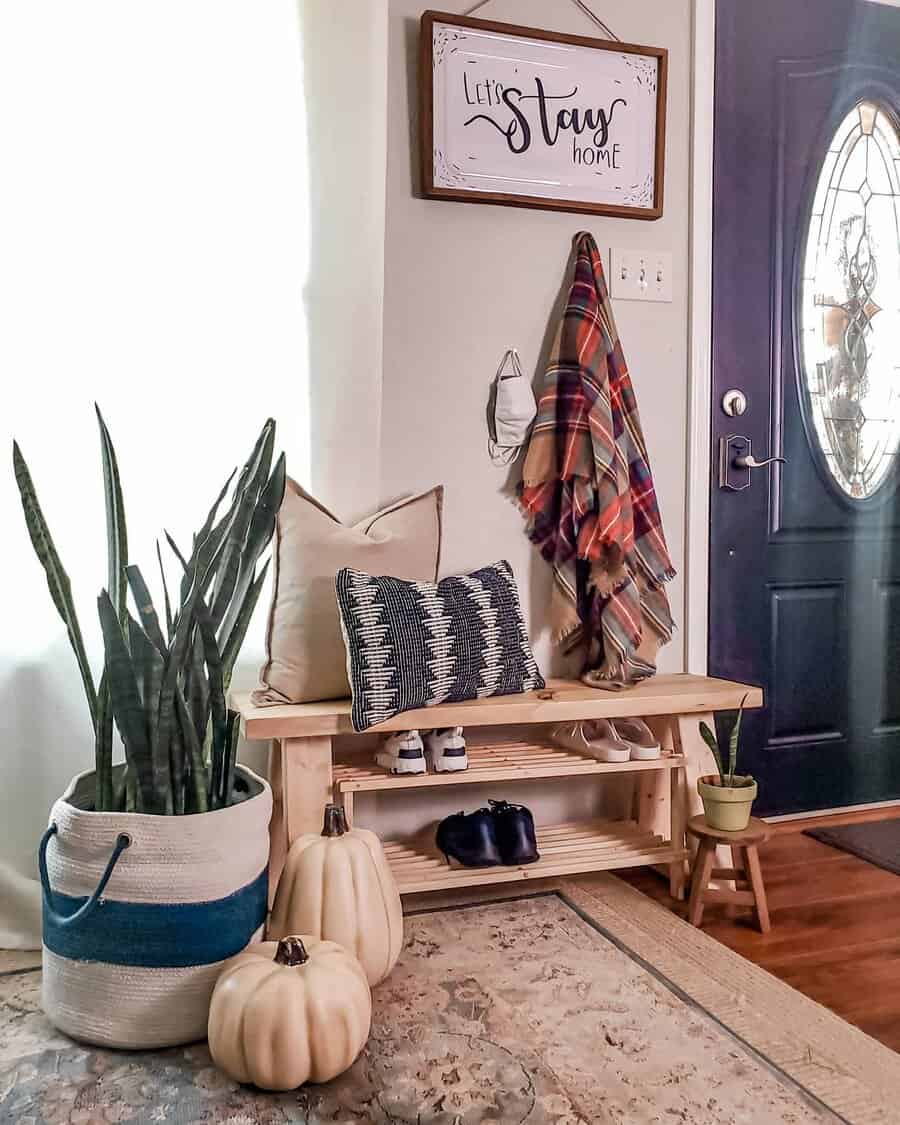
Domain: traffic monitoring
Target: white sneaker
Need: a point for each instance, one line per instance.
(639, 738)
(402, 752)
(447, 748)
(595, 737)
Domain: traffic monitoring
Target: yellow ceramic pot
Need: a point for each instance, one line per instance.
(727, 807)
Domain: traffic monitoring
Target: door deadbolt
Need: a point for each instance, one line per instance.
(734, 403)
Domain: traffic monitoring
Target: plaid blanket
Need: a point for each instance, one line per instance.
(588, 496)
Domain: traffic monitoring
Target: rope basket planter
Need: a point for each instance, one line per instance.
(140, 911)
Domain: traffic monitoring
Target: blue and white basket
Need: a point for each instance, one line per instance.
(140, 912)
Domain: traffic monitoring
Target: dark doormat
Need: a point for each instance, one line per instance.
(878, 841)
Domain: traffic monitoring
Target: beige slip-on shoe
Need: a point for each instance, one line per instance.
(594, 737)
(639, 738)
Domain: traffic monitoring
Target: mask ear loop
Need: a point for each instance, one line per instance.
(502, 455)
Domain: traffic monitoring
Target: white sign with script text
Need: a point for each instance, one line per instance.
(542, 118)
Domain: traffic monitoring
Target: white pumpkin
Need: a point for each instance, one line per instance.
(339, 886)
(288, 1012)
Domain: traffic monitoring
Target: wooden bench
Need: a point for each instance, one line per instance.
(306, 774)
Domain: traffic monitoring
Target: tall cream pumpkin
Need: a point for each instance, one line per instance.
(339, 886)
(284, 1013)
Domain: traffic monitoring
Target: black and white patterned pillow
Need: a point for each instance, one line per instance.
(417, 644)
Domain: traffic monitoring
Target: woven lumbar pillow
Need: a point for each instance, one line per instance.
(305, 658)
(417, 644)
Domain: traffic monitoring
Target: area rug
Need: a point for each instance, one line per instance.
(878, 841)
(514, 1011)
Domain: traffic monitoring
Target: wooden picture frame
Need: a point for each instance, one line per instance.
(622, 175)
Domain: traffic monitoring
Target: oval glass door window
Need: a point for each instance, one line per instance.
(850, 302)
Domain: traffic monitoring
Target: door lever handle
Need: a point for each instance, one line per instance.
(736, 462)
(748, 461)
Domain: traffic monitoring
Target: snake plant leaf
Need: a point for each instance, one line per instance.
(178, 555)
(239, 558)
(226, 794)
(713, 743)
(204, 531)
(236, 637)
(268, 505)
(197, 693)
(260, 457)
(204, 541)
(250, 482)
(196, 686)
(131, 791)
(228, 572)
(148, 662)
(206, 546)
(197, 770)
(116, 532)
(189, 580)
(126, 704)
(213, 660)
(208, 554)
(168, 604)
(262, 527)
(57, 579)
(146, 611)
(179, 770)
(104, 797)
(174, 665)
(733, 742)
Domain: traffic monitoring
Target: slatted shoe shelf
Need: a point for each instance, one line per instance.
(564, 848)
(306, 773)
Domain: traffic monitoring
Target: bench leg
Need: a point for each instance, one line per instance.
(277, 825)
(678, 821)
(653, 812)
(698, 762)
(301, 780)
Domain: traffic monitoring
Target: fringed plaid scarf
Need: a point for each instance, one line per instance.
(588, 495)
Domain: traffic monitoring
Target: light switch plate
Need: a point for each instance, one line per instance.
(640, 275)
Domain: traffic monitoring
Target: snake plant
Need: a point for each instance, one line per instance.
(165, 681)
(726, 776)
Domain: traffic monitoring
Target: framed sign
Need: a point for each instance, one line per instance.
(533, 118)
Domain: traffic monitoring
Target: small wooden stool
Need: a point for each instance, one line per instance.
(749, 888)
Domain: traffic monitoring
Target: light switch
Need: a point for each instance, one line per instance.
(640, 275)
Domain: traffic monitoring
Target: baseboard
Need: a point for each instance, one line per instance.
(843, 809)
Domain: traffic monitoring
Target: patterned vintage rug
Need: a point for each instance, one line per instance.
(523, 1010)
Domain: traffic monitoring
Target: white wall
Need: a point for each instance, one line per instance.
(345, 75)
(465, 281)
(177, 206)
(187, 237)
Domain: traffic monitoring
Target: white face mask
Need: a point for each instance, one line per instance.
(513, 410)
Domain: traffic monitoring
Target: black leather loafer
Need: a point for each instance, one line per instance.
(470, 839)
(514, 830)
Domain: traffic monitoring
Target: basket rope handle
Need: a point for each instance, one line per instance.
(123, 841)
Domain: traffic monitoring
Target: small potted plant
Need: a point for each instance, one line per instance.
(154, 871)
(728, 798)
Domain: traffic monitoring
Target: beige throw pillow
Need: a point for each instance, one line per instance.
(306, 659)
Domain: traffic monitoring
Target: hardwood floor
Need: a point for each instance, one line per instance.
(835, 924)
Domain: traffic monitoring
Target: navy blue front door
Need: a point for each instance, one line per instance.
(805, 554)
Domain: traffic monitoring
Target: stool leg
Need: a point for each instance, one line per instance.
(739, 863)
(703, 865)
(759, 888)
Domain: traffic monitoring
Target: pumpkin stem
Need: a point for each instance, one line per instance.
(291, 951)
(335, 821)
